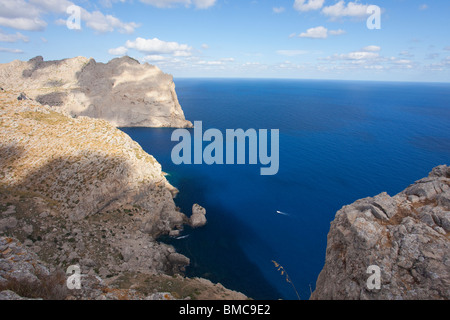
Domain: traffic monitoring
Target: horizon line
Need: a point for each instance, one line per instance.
(308, 79)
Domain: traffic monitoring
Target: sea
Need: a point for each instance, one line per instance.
(339, 141)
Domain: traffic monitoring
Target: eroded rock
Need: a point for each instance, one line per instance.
(122, 91)
(406, 236)
(198, 217)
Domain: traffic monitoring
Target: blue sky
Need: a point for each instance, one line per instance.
(307, 39)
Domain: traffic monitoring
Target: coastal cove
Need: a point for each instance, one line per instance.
(339, 141)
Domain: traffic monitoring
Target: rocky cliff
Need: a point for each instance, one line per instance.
(122, 91)
(80, 191)
(406, 236)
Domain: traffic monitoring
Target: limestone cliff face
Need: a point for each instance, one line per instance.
(122, 91)
(80, 191)
(406, 236)
(83, 174)
(85, 165)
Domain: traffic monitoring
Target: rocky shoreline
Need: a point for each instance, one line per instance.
(78, 191)
(75, 190)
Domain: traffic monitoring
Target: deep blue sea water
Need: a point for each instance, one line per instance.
(339, 141)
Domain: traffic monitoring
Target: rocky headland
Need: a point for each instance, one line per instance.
(78, 191)
(122, 91)
(406, 236)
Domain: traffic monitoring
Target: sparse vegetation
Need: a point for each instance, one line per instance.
(284, 273)
(49, 287)
(84, 193)
(51, 117)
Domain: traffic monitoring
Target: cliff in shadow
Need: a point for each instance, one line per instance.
(122, 91)
(396, 247)
(78, 191)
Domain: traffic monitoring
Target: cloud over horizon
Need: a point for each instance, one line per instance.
(199, 4)
(320, 32)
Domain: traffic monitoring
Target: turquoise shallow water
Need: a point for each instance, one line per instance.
(339, 141)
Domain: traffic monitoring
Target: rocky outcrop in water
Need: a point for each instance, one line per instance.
(198, 217)
(406, 236)
(122, 91)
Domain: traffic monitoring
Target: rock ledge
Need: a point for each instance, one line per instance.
(406, 236)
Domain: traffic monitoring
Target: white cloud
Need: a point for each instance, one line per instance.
(371, 49)
(340, 9)
(9, 50)
(204, 4)
(440, 66)
(57, 6)
(166, 3)
(278, 9)
(359, 55)
(337, 32)
(288, 65)
(156, 46)
(106, 23)
(4, 37)
(199, 4)
(29, 15)
(182, 53)
(36, 24)
(356, 60)
(315, 33)
(307, 5)
(291, 53)
(205, 46)
(120, 51)
(355, 56)
(170, 54)
(23, 15)
(211, 63)
(401, 61)
(249, 64)
(369, 58)
(154, 58)
(18, 9)
(218, 62)
(320, 33)
(193, 62)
